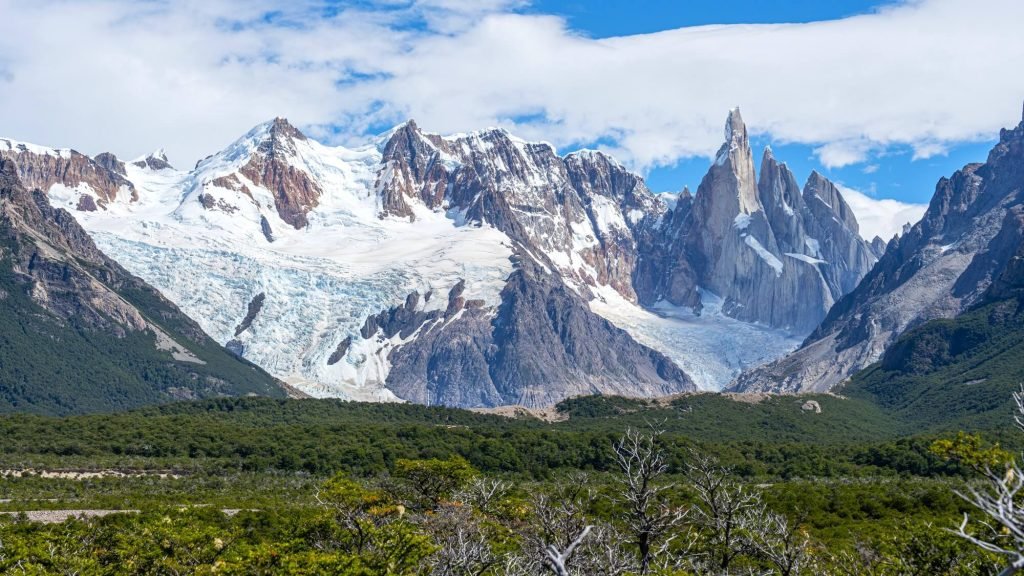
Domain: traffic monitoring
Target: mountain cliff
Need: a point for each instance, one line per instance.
(970, 236)
(774, 254)
(82, 334)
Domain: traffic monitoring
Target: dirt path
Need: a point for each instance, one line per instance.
(58, 516)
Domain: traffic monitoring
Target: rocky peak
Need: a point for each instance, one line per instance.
(779, 194)
(282, 130)
(758, 244)
(42, 168)
(878, 246)
(411, 171)
(820, 190)
(277, 166)
(735, 131)
(110, 162)
(592, 172)
(157, 160)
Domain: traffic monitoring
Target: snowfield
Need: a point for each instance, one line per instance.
(711, 347)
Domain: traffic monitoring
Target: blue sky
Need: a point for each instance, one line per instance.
(891, 174)
(882, 97)
(606, 18)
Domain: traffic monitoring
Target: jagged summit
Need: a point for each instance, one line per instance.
(735, 128)
(936, 268)
(280, 129)
(766, 250)
(88, 184)
(156, 160)
(267, 166)
(110, 162)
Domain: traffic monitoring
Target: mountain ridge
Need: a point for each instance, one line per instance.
(333, 236)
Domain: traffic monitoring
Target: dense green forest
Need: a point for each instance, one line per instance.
(330, 487)
(773, 438)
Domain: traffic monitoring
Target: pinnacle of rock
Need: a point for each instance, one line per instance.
(735, 129)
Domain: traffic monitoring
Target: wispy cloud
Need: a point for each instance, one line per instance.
(191, 74)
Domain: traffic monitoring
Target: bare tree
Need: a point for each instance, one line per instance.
(560, 516)
(464, 549)
(724, 508)
(606, 552)
(557, 560)
(482, 493)
(1003, 532)
(781, 542)
(650, 518)
(566, 540)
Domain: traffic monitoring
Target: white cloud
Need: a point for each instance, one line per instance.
(925, 150)
(881, 217)
(193, 74)
(843, 153)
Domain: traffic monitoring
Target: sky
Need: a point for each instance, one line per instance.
(883, 97)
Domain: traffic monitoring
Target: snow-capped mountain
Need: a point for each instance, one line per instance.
(969, 238)
(474, 269)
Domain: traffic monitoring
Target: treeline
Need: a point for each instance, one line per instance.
(327, 437)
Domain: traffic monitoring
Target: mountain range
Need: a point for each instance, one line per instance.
(482, 270)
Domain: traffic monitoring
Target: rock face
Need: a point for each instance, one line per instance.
(970, 235)
(582, 213)
(155, 161)
(539, 345)
(42, 168)
(772, 253)
(295, 193)
(58, 287)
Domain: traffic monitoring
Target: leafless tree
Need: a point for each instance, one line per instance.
(607, 552)
(650, 518)
(723, 511)
(464, 548)
(520, 565)
(566, 540)
(1003, 531)
(557, 560)
(781, 542)
(482, 493)
(560, 516)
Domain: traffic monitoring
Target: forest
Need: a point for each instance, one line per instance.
(699, 484)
